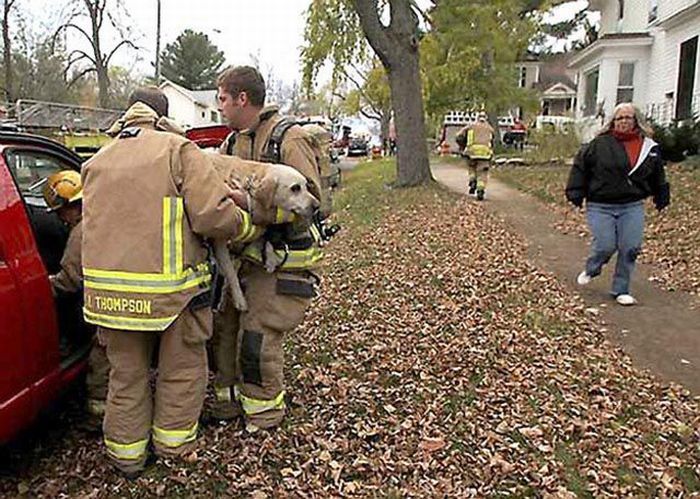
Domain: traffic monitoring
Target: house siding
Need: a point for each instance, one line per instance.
(635, 20)
(666, 60)
(656, 65)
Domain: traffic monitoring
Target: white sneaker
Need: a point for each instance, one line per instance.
(583, 279)
(626, 300)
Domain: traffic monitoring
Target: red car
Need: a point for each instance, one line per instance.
(44, 341)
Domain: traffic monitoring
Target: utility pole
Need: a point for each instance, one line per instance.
(158, 45)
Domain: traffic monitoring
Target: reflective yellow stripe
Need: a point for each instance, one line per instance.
(167, 269)
(178, 230)
(180, 283)
(223, 394)
(283, 216)
(479, 151)
(145, 276)
(470, 137)
(253, 406)
(128, 323)
(128, 452)
(174, 438)
(296, 259)
(246, 226)
(173, 214)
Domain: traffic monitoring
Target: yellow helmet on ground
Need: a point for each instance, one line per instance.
(63, 188)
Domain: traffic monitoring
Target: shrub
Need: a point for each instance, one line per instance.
(678, 140)
(552, 143)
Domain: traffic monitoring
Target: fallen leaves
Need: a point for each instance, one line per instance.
(438, 362)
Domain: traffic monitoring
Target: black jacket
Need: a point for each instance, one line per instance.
(602, 174)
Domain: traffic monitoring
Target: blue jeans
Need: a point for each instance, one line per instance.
(615, 227)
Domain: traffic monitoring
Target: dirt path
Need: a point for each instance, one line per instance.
(662, 333)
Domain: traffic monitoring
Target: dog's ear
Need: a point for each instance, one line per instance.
(264, 190)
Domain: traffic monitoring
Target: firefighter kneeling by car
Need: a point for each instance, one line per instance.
(63, 193)
(150, 198)
(476, 142)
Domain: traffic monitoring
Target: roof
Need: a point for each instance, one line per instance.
(553, 71)
(206, 98)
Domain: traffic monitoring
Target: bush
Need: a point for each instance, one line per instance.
(551, 143)
(678, 140)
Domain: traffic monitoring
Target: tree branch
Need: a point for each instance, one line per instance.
(81, 55)
(376, 33)
(120, 44)
(74, 26)
(80, 75)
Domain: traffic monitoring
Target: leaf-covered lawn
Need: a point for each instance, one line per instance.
(438, 362)
(672, 238)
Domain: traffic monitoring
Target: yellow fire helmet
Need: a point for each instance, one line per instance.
(63, 188)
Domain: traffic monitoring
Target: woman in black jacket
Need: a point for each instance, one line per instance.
(614, 173)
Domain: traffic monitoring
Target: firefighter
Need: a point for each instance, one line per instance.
(476, 141)
(63, 193)
(150, 196)
(248, 347)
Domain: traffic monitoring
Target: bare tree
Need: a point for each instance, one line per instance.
(96, 60)
(7, 50)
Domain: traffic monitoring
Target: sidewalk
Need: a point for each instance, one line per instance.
(661, 334)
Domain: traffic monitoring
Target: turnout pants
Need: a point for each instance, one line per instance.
(248, 347)
(97, 378)
(479, 172)
(171, 414)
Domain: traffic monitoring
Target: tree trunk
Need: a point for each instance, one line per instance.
(396, 46)
(384, 122)
(413, 167)
(7, 51)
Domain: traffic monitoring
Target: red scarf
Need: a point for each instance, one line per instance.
(633, 144)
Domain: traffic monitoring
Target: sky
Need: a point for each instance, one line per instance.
(270, 31)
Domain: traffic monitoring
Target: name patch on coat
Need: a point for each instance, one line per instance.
(131, 305)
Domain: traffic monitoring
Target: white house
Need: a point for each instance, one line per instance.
(646, 53)
(190, 108)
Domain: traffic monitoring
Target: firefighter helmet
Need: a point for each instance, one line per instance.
(63, 188)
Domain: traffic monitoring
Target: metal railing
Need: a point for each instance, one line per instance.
(38, 114)
(663, 113)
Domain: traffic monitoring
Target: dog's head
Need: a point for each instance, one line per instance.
(284, 187)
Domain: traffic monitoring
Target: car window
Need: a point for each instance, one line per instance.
(31, 168)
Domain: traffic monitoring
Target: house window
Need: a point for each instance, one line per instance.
(203, 114)
(621, 10)
(686, 78)
(653, 10)
(625, 83)
(214, 116)
(591, 96)
(522, 76)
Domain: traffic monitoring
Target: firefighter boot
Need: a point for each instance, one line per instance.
(480, 194)
(472, 186)
(225, 405)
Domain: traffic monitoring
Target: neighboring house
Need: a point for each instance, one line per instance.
(191, 108)
(553, 81)
(647, 53)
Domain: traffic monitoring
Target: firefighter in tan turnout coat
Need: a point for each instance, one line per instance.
(476, 142)
(63, 194)
(149, 198)
(248, 347)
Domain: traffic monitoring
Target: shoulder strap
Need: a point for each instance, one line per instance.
(231, 143)
(273, 151)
